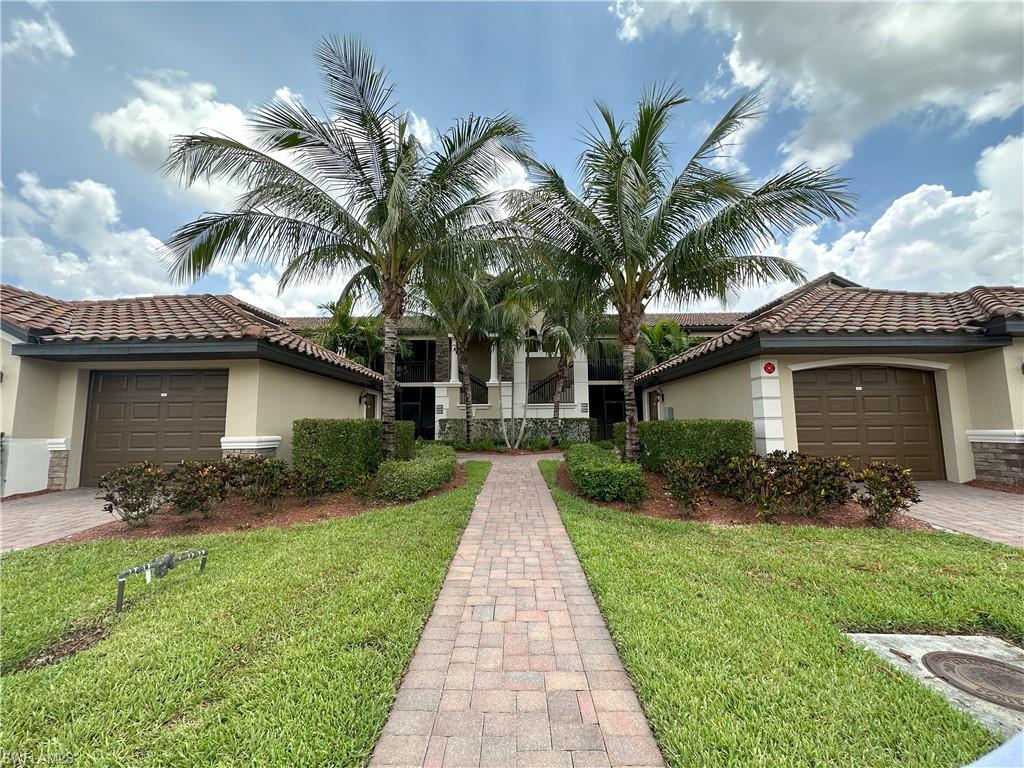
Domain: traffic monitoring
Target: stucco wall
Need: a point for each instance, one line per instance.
(997, 374)
(286, 394)
(721, 393)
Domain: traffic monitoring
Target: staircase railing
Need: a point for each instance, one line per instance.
(543, 391)
(478, 389)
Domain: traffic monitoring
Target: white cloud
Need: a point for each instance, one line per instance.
(38, 38)
(259, 287)
(854, 66)
(421, 130)
(167, 105)
(102, 258)
(927, 240)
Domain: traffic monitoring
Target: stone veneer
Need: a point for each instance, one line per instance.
(442, 359)
(267, 453)
(999, 462)
(57, 474)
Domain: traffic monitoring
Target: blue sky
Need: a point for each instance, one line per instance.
(919, 105)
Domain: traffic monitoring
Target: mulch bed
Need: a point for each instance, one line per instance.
(720, 510)
(238, 514)
(991, 486)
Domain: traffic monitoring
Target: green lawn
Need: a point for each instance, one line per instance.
(285, 652)
(733, 635)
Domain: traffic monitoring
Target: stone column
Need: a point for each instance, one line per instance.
(57, 472)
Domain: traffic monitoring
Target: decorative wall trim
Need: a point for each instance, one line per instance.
(250, 443)
(58, 444)
(1014, 436)
(766, 392)
(886, 360)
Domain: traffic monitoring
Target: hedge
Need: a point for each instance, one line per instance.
(431, 467)
(697, 441)
(573, 430)
(598, 474)
(334, 454)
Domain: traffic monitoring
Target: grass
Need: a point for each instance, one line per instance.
(733, 635)
(285, 652)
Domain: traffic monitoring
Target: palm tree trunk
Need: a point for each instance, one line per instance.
(629, 395)
(392, 300)
(467, 388)
(556, 401)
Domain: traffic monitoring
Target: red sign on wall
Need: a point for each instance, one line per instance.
(769, 368)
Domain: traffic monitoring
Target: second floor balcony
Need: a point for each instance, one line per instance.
(604, 369)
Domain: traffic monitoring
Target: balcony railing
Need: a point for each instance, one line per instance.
(604, 369)
(414, 370)
(543, 391)
(478, 389)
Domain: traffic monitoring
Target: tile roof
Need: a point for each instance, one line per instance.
(829, 308)
(187, 317)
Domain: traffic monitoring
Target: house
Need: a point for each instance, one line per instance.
(430, 391)
(88, 385)
(934, 381)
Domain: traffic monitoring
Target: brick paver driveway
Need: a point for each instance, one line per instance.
(991, 515)
(36, 520)
(516, 666)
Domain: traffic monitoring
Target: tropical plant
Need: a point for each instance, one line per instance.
(471, 305)
(352, 190)
(573, 312)
(360, 339)
(642, 232)
(660, 341)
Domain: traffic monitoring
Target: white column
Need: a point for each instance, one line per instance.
(767, 398)
(454, 358)
(494, 364)
(581, 382)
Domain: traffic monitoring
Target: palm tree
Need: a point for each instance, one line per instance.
(350, 191)
(641, 231)
(361, 339)
(660, 341)
(470, 305)
(572, 320)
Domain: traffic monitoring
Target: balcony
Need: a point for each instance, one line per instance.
(408, 371)
(604, 369)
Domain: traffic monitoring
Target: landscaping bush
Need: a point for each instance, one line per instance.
(257, 478)
(598, 474)
(405, 440)
(133, 492)
(197, 486)
(695, 440)
(333, 454)
(431, 467)
(887, 490)
(687, 484)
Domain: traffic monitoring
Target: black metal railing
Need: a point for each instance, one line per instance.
(414, 370)
(604, 369)
(478, 388)
(544, 390)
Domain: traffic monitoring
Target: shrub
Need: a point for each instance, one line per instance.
(197, 486)
(332, 454)
(887, 490)
(695, 440)
(431, 467)
(537, 444)
(598, 474)
(133, 492)
(257, 478)
(619, 437)
(687, 484)
(405, 440)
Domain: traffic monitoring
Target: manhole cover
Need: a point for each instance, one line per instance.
(988, 679)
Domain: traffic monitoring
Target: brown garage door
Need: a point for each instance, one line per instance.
(157, 416)
(870, 413)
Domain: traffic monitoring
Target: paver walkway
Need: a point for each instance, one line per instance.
(33, 520)
(992, 515)
(516, 666)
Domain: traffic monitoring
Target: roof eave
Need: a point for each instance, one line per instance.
(235, 349)
(811, 343)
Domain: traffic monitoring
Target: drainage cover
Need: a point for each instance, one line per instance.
(985, 678)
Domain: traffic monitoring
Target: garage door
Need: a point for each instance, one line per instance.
(157, 416)
(870, 413)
